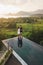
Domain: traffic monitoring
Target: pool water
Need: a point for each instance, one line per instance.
(30, 52)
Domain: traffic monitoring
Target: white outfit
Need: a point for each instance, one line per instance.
(18, 31)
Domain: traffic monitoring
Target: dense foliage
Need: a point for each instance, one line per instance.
(36, 36)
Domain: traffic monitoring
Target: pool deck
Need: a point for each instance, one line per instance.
(29, 54)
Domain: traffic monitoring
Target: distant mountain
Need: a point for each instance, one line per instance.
(37, 15)
(10, 14)
(23, 13)
(39, 11)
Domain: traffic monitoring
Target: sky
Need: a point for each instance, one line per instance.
(14, 6)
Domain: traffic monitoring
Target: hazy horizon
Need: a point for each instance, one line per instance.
(14, 6)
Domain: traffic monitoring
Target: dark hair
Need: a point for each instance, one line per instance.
(18, 27)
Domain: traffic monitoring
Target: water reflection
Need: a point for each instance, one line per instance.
(20, 43)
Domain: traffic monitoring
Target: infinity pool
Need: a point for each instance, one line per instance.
(30, 52)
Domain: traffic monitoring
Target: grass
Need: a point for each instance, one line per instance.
(28, 27)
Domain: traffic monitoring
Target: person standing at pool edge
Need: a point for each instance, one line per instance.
(20, 29)
(20, 36)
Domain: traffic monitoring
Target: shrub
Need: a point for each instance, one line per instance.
(41, 43)
(36, 36)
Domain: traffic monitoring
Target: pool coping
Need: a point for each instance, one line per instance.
(19, 58)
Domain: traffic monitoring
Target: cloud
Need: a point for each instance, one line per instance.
(37, 3)
(8, 9)
(20, 5)
(7, 2)
(21, 2)
(13, 2)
